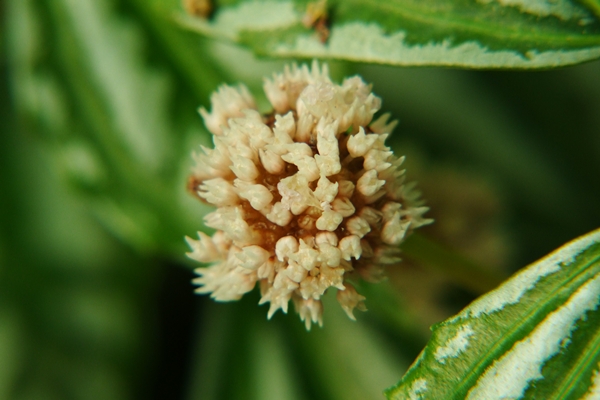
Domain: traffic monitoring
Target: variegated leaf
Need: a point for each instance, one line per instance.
(466, 33)
(81, 76)
(537, 336)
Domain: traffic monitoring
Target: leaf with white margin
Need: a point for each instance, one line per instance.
(520, 34)
(536, 336)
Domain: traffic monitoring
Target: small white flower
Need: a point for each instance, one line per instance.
(307, 197)
(228, 102)
(358, 226)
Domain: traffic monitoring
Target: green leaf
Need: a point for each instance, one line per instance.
(534, 337)
(474, 33)
(121, 119)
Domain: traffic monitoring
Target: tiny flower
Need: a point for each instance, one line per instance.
(307, 198)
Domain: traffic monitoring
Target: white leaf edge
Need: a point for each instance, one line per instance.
(510, 375)
(367, 42)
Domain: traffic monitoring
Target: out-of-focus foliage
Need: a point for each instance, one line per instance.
(73, 301)
(120, 111)
(98, 120)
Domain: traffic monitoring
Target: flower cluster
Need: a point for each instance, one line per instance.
(308, 197)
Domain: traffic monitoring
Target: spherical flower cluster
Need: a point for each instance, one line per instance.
(308, 197)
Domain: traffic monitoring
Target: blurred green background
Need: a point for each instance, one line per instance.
(98, 120)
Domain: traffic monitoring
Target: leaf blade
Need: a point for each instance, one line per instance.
(522, 340)
(475, 34)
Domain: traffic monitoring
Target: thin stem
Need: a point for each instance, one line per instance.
(456, 267)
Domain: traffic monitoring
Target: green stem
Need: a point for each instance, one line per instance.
(459, 269)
